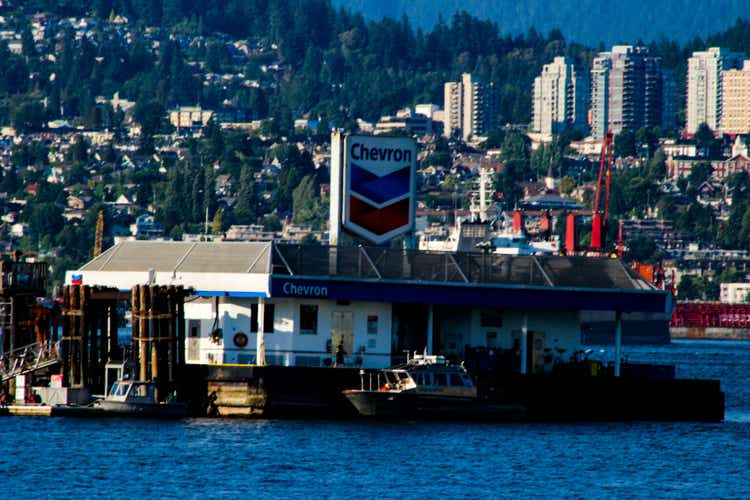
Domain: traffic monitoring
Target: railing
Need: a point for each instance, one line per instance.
(28, 359)
(459, 267)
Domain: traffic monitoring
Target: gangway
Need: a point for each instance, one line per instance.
(28, 359)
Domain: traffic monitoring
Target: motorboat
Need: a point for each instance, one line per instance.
(127, 398)
(426, 387)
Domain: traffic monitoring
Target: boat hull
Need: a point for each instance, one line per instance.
(415, 406)
(119, 409)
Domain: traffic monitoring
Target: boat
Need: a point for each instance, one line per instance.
(127, 398)
(426, 387)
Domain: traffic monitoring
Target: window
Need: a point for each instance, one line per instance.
(194, 328)
(372, 325)
(267, 318)
(308, 319)
(440, 379)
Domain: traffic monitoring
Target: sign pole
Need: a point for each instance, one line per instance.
(336, 195)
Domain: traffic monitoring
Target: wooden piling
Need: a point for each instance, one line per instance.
(65, 340)
(143, 332)
(181, 328)
(171, 347)
(83, 334)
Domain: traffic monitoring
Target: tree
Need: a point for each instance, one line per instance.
(567, 184)
(625, 144)
(309, 239)
(642, 248)
(218, 222)
(307, 204)
(700, 173)
(45, 219)
(244, 211)
(704, 137)
(690, 288)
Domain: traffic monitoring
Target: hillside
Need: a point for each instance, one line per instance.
(583, 21)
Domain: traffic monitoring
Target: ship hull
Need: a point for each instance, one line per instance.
(415, 406)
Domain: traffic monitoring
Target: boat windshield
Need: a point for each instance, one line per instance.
(119, 389)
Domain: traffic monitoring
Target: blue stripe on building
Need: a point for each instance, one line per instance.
(472, 294)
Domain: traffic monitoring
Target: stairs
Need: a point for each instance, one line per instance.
(28, 359)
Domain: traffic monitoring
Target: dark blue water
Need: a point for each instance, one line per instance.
(54, 457)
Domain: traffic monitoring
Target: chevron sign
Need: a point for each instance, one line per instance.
(379, 186)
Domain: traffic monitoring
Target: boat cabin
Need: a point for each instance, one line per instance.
(132, 391)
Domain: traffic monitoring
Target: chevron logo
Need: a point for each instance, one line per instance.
(379, 220)
(380, 189)
(379, 186)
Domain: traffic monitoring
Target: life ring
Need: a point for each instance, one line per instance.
(240, 339)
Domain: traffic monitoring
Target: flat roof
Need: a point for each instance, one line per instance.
(249, 269)
(184, 257)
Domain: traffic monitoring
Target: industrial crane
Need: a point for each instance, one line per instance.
(599, 223)
(599, 218)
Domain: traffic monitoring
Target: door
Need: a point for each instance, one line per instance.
(342, 329)
(194, 341)
(535, 352)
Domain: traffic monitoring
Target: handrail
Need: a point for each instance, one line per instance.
(28, 358)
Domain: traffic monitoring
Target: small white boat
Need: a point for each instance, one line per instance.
(426, 387)
(127, 398)
(137, 398)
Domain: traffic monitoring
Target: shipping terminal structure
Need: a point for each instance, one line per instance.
(263, 322)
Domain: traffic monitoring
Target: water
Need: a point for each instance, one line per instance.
(55, 457)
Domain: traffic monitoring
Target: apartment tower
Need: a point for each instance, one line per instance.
(560, 98)
(735, 103)
(704, 86)
(470, 107)
(626, 90)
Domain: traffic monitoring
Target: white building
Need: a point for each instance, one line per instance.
(470, 107)
(734, 293)
(560, 98)
(297, 303)
(704, 86)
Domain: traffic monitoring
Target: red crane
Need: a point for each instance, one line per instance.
(599, 224)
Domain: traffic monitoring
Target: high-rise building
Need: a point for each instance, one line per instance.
(560, 99)
(470, 107)
(669, 96)
(735, 102)
(626, 90)
(704, 88)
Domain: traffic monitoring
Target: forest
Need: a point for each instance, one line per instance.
(337, 65)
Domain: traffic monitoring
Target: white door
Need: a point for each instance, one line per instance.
(342, 329)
